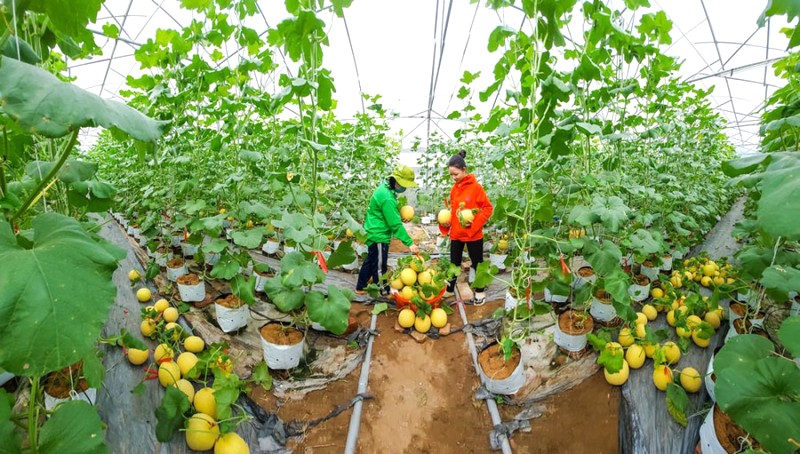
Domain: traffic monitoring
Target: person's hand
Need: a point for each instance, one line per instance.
(447, 226)
(414, 249)
(467, 225)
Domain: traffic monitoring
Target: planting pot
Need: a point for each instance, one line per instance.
(795, 309)
(602, 310)
(708, 381)
(552, 298)
(487, 246)
(211, 258)
(360, 249)
(162, 258)
(650, 271)
(173, 273)
(500, 376)
(283, 350)
(666, 263)
(570, 337)
(498, 260)
(583, 276)
(739, 310)
(5, 377)
(709, 443)
(88, 395)
(271, 247)
(626, 260)
(177, 238)
(426, 220)
(639, 292)
(188, 249)
(192, 292)
(288, 249)
(231, 319)
(717, 424)
(260, 281)
(354, 265)
(511, 302)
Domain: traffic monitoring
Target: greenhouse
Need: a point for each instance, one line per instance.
(324, 226)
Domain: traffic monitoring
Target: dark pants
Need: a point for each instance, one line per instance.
(374, 266)
(475, 251)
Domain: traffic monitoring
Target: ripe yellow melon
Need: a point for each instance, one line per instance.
(231, 443)
(467, 216)
(407, 292)
(690, 380)
(194, 344)
(625, 337)
(635, 356)
(134, 275)
(700, 342)
(143, 295)
(444, 217)
(148, 327)
(168, 373)
(672, 352)
(407, 213)
(170, 315)
(161, 305)
(186, 387)
(205, 402)
(397, 284)
(138, 357)
(712, 318)
(620, 377)
(186, 362)
(438, 317)
(423, 325)
(424, 278)
(406, 318)
(650, 312)
(408, 276)
(201, 432)
(662, 376)
(163, 351)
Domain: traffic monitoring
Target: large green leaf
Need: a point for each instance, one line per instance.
(286, 299)
(763, 397)
(780, 197)
(789, 334)
(677, 403)
(55, 297)
(612, 211)
(170, 413)
(779, 281)
(741, 166)
(343, 255)
(296, 227)
(42, 103)
(14, 47)
(332, 312)
(741, 351)
(73, 427)
(296, 270)
(250, 238)
(68, 16)
(10, 444)
(604, 257)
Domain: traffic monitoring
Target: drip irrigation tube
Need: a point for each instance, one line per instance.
(363, 381)
(490, 403)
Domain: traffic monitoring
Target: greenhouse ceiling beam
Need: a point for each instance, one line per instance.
(766, 57)
(91, 62)
(280, 51)
(463, 54)
(159, 6)
(114, 18)
(719, 55)
(739, 79)
(355, 65)
(759, 46)
(114, 49)
(433, 62)
(735, 70)
(126, 41)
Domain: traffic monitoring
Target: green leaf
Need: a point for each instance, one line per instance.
(42, 103)
(332, 312)
(296, 270)
(13, 46)
(657, 27)
(342, 255)
(763, 397)
(780, 194)
(790, 8)
(227, 388)
(198, 5)
(779, 281)
(643, 243)
(226, 268)
(261, 376)
(60, 288)
(250, 238)
(498, 36)
(8, 433)
(604, 257)
(611, 359)
(111, 30)
(484, 275)
(296, 227)
(73, 427)
(612, 211)
(383, 307)
(244, 288)
(789, 334)
(588, 128)
(285, 299)
(677, 403)
(170, 413)
(340, 5)
(68, 16)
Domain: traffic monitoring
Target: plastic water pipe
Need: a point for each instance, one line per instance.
(363, 381)
(490, 403)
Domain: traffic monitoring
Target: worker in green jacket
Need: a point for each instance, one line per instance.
(382, 223)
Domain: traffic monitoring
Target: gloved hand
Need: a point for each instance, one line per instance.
(414, 249)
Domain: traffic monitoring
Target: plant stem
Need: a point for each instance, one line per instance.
(50, 176)
(33, 415)
(3, 158)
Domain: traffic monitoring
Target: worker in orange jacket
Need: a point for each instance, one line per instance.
(470, 193)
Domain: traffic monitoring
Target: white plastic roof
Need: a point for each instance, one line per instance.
(413, 53)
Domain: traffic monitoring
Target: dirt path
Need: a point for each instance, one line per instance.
(423, 396)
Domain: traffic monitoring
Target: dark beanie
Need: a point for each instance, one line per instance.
(458, 160)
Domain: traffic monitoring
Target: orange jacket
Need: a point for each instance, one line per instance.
(469, 191)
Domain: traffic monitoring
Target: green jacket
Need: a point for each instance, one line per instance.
(383, 218)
